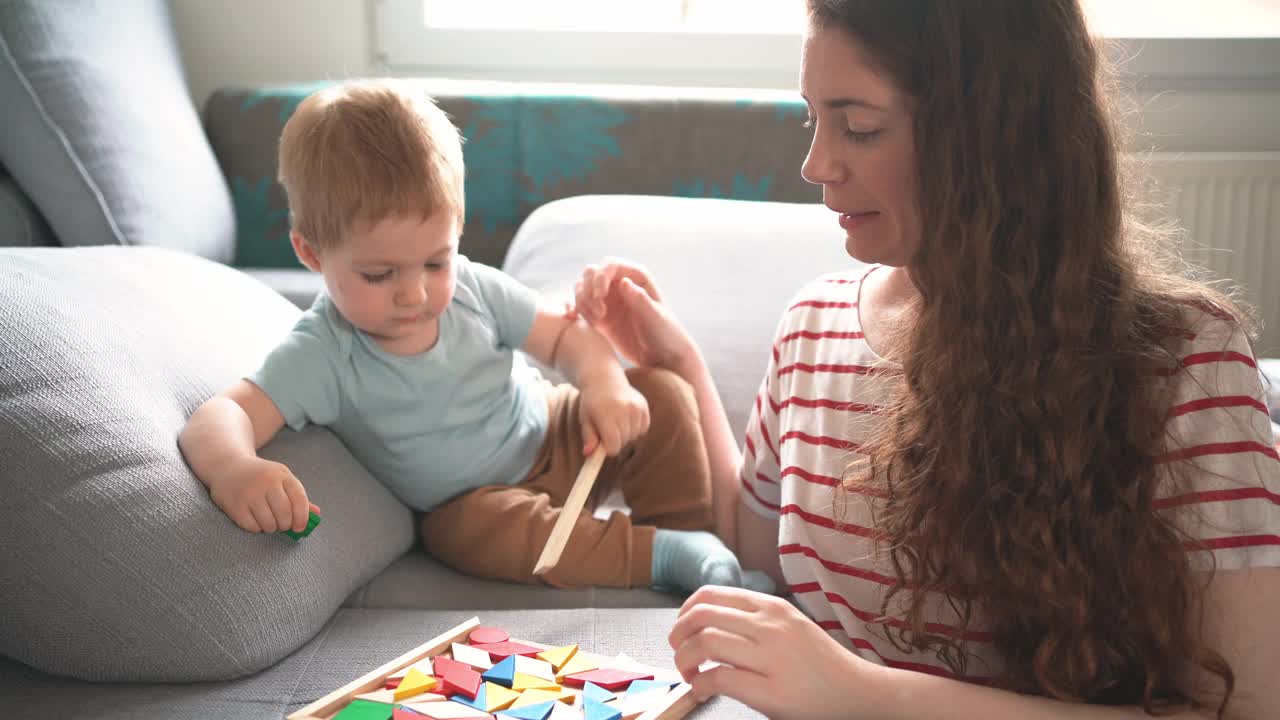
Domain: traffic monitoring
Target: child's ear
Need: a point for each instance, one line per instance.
(306, 252)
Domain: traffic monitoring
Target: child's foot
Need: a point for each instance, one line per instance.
(688, 559)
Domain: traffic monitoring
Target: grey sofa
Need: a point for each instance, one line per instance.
(126, 594)
(709, 255)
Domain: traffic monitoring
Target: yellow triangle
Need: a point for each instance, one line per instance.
(497, 697)
(558, 656)
(525, 681)
(415, 682)
(533, 697)
(576, 664)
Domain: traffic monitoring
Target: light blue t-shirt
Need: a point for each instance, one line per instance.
(468, 412)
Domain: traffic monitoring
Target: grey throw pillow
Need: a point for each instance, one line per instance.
(115, 564)
(99, 129)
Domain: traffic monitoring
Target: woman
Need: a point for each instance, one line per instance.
(1019, 468)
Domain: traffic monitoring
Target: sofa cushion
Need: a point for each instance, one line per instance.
(99, 129)
(418, 581)
(20, 223)
(116, 564)
(773, 248)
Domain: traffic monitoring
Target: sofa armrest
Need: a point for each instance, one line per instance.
(21, 224)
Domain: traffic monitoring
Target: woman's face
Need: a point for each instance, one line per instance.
(863, 152)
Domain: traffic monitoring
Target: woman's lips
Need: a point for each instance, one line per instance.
(849, 221)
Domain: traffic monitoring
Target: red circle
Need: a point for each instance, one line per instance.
(487, 635)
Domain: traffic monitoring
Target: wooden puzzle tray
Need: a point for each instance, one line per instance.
(479, 672)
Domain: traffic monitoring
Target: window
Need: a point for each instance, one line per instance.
(756, 43)
(751, 43)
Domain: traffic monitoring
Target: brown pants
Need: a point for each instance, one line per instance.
(498, 531)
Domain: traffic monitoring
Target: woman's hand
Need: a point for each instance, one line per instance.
(771, 657)
(619, 299)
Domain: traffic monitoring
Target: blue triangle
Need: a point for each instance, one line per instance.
(592, 691)
(478, 703)
(504, 673)
(538, 711)
(596, 710)
(638, 686)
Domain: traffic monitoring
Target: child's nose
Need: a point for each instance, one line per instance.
(413, 292)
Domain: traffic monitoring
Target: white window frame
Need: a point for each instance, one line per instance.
(403, 44)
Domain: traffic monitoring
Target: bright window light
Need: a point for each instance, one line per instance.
(1111, 18)
(1184, 18)
(711, 16)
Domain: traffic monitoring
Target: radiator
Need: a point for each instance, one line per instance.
(1228, 205)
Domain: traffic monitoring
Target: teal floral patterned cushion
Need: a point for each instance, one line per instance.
(523, 150)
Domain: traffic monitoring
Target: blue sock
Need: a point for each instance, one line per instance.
(688, 559)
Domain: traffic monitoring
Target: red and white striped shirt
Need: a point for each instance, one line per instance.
(812, 412)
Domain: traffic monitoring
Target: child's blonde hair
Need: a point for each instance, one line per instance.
(362, 151)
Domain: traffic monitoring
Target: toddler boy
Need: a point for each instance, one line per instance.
(409, 356)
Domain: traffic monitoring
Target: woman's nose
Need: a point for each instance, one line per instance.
(821, 166)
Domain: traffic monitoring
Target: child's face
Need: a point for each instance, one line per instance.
(394, 278)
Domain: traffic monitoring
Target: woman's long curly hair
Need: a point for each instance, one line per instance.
(1018, 458)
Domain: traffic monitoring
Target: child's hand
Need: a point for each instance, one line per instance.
(612, 414)
(261, 496)
(621, 301)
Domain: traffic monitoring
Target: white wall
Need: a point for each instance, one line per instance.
(269, 42)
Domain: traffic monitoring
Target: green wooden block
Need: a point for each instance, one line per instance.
(312, 521)
(361, 709)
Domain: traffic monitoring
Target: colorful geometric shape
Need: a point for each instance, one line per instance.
(505, 649)
(609, 679)
(641, 686)
(558, 656)
(415, 683)
(498, 697)
(535, 667)
(365, 710)
(478, 702)
(502, 673)
(595, 710)
(522, 682)
(473, 656)
(564, 711)
(488, 636)
(312, 521)
(539, 711)
(462, 681)
(577, 664)
(443, 665)
(447, 710)
(593, 691)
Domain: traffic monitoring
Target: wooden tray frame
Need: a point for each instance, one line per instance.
(676, 705)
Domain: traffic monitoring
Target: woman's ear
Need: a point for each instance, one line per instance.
(306, 252)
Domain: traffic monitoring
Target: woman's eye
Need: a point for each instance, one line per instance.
(861, 137)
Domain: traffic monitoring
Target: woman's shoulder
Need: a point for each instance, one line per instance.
(831, 290)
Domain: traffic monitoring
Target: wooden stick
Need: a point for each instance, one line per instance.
(331, 703)
(570, 512)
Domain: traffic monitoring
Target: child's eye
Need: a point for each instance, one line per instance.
(375, 279)
(435, 265)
